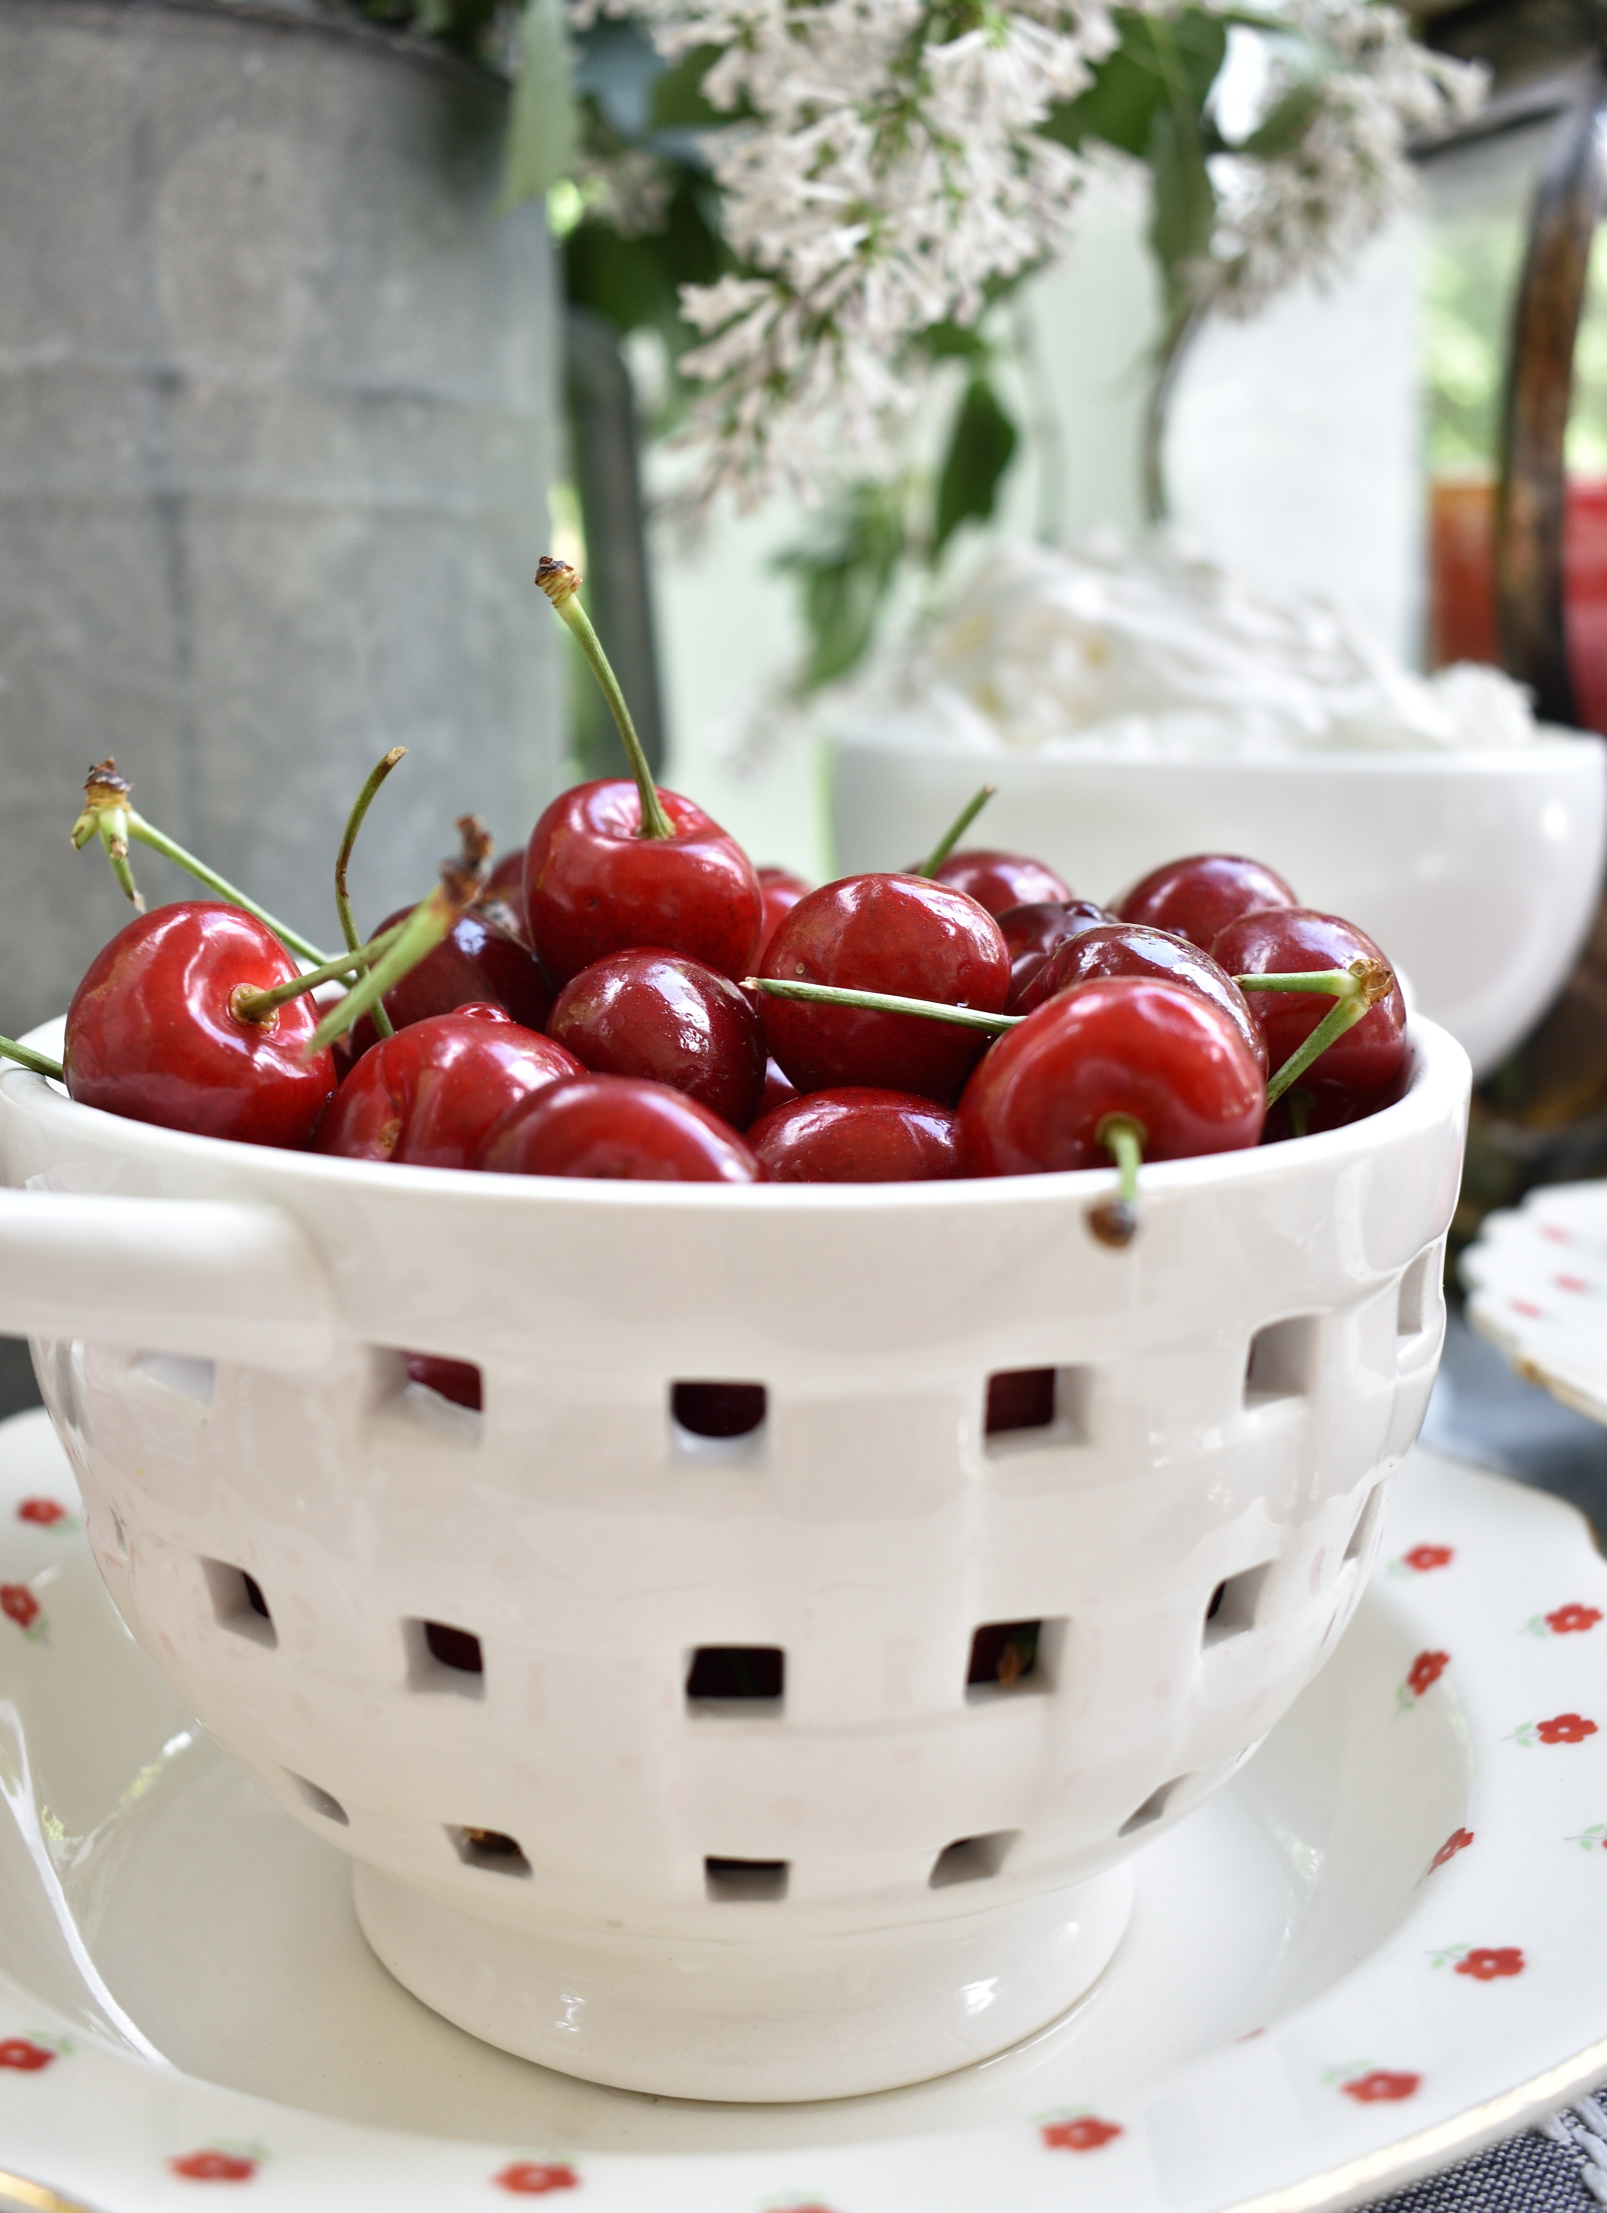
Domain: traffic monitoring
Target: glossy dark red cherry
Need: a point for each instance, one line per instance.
(503, 899)
(151, 1034)
(594, 885)
(858, 1135)
(426, 1097)
(901, 934)
(457, 1380)
(477, 963)
(1032, 932)
(1361, 1071)
(999, 881)
(781, 891)
(1159, 1053)
(668, 1018)
(617, 1127)
(1198, 897)
(777, 1088)
(1132, 949)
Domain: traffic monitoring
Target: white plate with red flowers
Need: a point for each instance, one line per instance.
(1537, 1279)
(1375, 1950)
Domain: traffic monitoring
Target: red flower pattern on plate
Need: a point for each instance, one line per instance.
(1085, 2132)
(18, 1604)
(1528, 1309)
(1570, 1620)
(214, 2166)
(24, 2055)
(43, 1511)
(1424, 1672)
(1457, 1841)
(1487, 1963)
(1564, 1729)
(533, 2178)
(1423, 1557)
(1382, 2086)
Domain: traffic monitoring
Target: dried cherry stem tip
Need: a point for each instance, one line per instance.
(247, 1005)
(561, 583)
(462, 880)
(884, 1002)
(26, 1057)
(955, 831)
(108, 815)
(354, 822)
(1368, 982)
(1114, 1221)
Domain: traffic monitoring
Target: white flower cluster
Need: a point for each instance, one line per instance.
(1302, 210)
(885, 169)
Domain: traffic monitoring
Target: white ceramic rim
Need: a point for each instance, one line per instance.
(1439, 1069)
(1556, 747)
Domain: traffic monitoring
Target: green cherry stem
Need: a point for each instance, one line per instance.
(417, 934)
(1339, 1018)
(108, 815)
(883, 1002)
(1114, 1221)
(354, 822)
(26, 1057)
(955, 831)
(561, 583)
(1339, 983)
(256, 1006)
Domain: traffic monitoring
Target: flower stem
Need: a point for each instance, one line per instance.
(354, 822)
(882, 1002)
(256, 1006)
(561, 583)
(955, 831)
(26, 1057)
(108, 815)
(418, 934)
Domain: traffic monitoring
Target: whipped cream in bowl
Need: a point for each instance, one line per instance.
(1135, 703)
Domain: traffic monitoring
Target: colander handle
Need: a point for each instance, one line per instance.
(208, 1279)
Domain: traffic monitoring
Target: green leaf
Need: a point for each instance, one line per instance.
(1171, 62)
(847, 568)
(541, 121)
(980, 450)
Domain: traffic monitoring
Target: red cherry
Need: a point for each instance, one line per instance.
(857, 1135)
(999, 881)
(1197, 898)
(427, 1096)
(1365, 1068)
(1131, 949)
(777, 1089)
(503, 899)
(670, 1019)
(595, 885)
(1162, 1054)
(457, 1380)
(150, 1034)
(1031, 934)
(617, 1126)
(781, 891)
(900, 934)
(477, 963)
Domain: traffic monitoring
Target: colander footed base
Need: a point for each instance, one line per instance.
(754, 2019)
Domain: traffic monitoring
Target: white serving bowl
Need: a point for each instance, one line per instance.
(1478, 873)
(886, 1871)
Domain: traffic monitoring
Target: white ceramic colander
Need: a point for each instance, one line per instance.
(783, 1765)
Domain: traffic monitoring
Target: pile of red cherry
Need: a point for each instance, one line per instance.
(630, 997)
